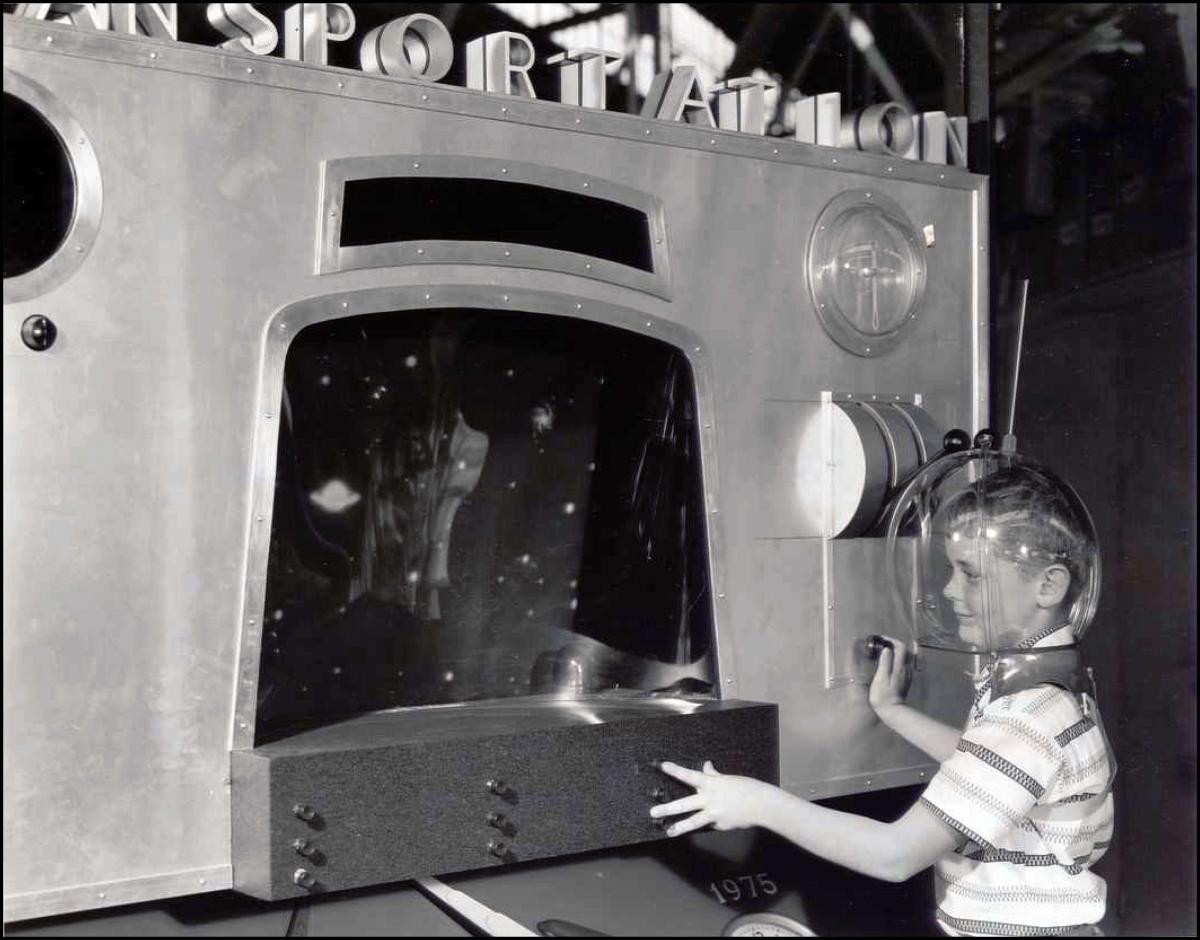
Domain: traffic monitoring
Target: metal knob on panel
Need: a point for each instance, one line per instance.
(498, 847)
(499, 820)
(304, 847)
(38, 332)
(497, 786)
(304, 811)
(304, 878)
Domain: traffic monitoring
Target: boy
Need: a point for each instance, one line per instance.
(1021, 806)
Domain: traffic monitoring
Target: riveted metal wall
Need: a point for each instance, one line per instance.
(134, 447)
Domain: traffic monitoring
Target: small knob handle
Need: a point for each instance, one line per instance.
(499, 820)
(876, 645)
(38, 332)
(304, 878)
(497, 786)
(304, 811)
(498, 847)
(987, 439)
(304, 847)
(955, 440)
(659, 795)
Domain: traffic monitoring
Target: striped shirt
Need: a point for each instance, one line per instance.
(1029, 787)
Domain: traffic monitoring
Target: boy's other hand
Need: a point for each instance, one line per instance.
(891, 676)
(723, 801)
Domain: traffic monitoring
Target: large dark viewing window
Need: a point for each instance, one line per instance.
(399, 209)
(480, 504)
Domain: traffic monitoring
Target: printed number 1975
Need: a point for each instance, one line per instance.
(743, 887)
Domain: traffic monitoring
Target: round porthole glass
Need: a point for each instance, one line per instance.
(39, 188)
(52, 190)
(866, 272)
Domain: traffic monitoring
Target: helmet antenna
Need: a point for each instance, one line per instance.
(1008, 443)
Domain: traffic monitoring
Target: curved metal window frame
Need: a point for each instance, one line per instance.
(85, 218)
(332, 257)
(290, 320)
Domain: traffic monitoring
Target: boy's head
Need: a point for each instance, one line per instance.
(1022, 557)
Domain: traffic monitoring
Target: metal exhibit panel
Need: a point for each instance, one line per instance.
(139, 447)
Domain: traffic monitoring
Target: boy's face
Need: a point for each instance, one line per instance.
(996, 603)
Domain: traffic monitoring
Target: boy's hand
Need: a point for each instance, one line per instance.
(891, 676)
(721, 801)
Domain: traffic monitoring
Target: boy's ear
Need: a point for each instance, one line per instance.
(1053, 585)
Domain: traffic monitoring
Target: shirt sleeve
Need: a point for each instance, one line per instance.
(1002, 766)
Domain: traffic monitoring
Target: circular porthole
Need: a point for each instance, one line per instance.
(51, 190)
(866, 272)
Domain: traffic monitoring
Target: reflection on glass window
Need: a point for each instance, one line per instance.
(477, 505)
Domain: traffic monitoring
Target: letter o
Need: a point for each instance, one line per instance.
(417, 46)
(880, 128)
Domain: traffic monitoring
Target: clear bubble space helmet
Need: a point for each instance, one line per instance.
(990, 551)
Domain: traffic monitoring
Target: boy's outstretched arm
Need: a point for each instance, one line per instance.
(889, 851)
(936, 739)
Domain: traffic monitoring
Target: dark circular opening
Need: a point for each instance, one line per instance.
(39, 188)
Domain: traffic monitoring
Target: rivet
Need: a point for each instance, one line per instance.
(507, 253)
(712, 140)
(830, 607)
(588, 267)
(868, 349)
(868, 782)
(868, 195)
(203, 881)
(835, 159)
(812, 789)
(775, 150)
(100, 895)
(420, 251)
(333, 212)
(416, 166)
(647, 132)
(579, 306)
(695, 349)
(249, 69)
(708, 427)
(341, 84)
(505, 298)
(578, 120)
(345, 305)
(889, 169)
(503, 169)
(504, 110)
(267, 416)
(82, 141)
(79, 248)
(424, 97)
(250, 621)
(586, 185)
(658, 241)
(721, 597)
(714, 512)
(649, 323)
(242, 726)
(51, 39)
(426, 296)
(154, 55)
(283, 326)
(259, 518)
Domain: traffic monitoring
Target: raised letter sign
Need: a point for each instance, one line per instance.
(879, 128)
(160, 20)
(417, 46)
(95, 15)
(740, 104)
(309, 27)
(500, 63)
(929, 138)
(678, 93)
(956, 139)
(581, 76)
(246, 28)
(819, 119)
